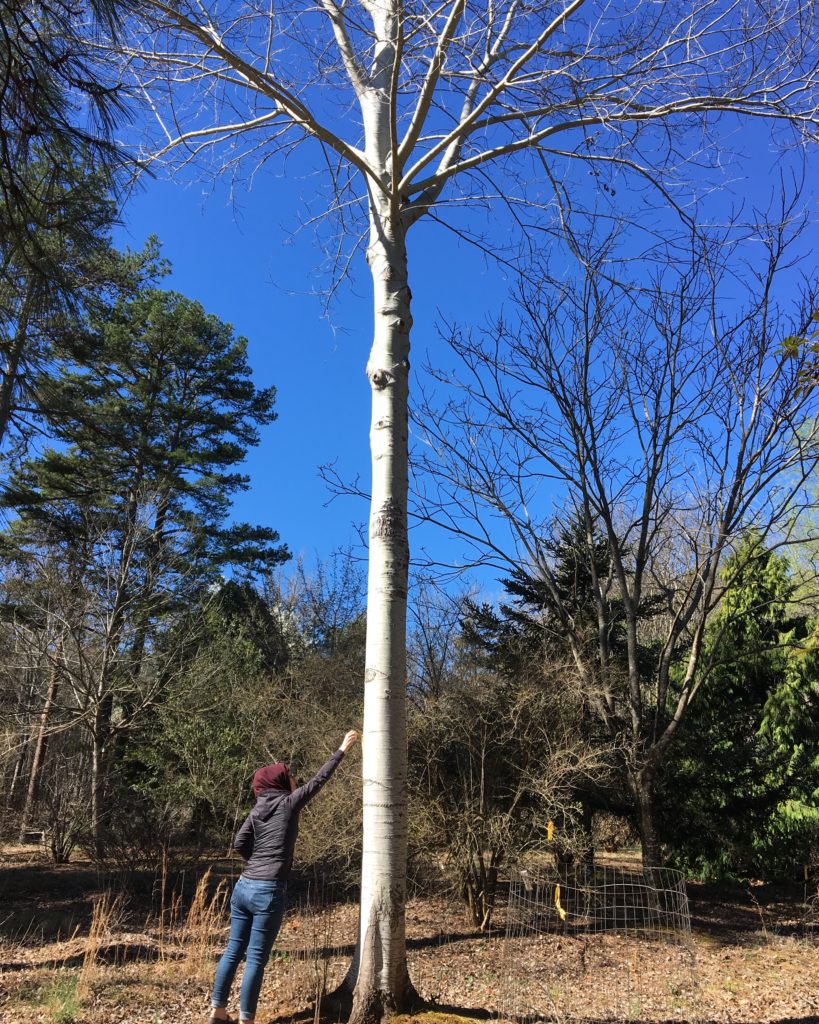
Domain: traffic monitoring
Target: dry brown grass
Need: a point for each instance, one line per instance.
(105, 921)
(203, 929)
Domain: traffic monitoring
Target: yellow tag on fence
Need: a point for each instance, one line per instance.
(558, 907)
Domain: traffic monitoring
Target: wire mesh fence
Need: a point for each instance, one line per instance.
(597, 943)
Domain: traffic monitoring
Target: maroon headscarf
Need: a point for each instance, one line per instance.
(272, 776)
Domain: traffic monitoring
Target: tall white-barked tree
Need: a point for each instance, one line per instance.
(419, 104)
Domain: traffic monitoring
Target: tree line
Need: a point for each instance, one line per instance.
(507, 759)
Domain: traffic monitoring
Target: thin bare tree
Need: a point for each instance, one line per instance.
(417, 107)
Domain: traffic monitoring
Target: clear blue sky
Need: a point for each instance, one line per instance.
(241, 257)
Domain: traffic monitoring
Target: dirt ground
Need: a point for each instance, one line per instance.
(753, 957)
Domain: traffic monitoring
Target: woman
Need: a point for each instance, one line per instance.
(266, 841)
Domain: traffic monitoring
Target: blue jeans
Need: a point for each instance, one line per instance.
(256, 911)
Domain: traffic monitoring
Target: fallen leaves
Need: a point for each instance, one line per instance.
(731, 975)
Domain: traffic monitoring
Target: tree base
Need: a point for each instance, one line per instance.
(368, 1005)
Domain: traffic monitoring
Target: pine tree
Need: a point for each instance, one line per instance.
(58, 105)
(742, 793)
(44, 302)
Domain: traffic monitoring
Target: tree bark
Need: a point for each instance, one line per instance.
(379, 970)
(99, 771)
(8, 380)
(25, 709)
(40, 744)
(643, 786)
(382, 982)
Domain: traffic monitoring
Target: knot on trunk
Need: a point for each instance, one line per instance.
(379, 378)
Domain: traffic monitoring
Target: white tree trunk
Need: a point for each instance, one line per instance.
(382, 968)
(382, 980)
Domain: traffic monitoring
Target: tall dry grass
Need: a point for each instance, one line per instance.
(170, 906)
(203, 931)
(185, 947)
(106, 917)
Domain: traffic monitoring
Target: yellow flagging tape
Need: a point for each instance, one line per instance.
(550, 831)
(558, 907)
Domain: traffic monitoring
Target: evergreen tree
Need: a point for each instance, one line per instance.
(500, 746)
(58, 104)
(44, 303)
(152, 424)
(536, 614)
(59, 175)
(195, 750)
(742, 793)
(580, 598)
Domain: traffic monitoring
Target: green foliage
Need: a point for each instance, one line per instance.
(152, 424)
(534, 627)
(806, 344)
(58, 179)
(44, 305)
(539, 607)
(742, 792)
(196, 751)
(575, 598)
(250, 688)
(121, 526)
(56, 992)
(58, 103)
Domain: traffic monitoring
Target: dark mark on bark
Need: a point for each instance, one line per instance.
(388, 522)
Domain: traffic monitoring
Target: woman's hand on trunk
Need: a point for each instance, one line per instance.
(349, 740)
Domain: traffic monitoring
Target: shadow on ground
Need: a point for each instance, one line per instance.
(112, 953)
(443, 1014)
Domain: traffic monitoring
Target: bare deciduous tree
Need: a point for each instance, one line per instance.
(83, 618)
(666, 419)
(432, 644)
(414, 107)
